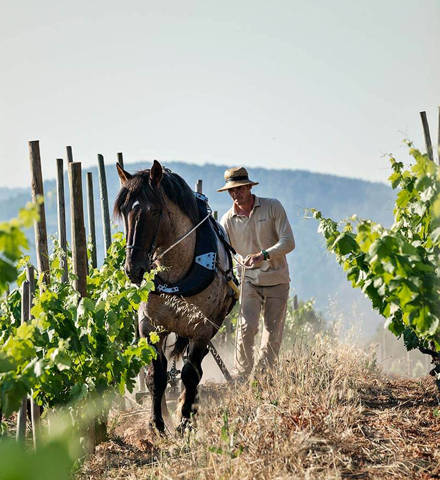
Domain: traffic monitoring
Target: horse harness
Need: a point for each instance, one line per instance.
(206, 262)
(150, 252)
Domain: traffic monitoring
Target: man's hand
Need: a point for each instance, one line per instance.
(253, 259)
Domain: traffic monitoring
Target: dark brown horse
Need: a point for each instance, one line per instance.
(159, 208)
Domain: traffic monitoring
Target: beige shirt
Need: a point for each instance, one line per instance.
(267, 228)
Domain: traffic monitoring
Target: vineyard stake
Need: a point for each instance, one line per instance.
(40, 225)
(62, 217)
(91, 218)
(69, 154)
(79, 247)
(35, 409)
(104, 204)
(428, 142)
(21, 417)
(199, 186)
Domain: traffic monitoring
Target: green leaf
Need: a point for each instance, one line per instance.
(395, 179)
(410, 339)
(403, 198)
(88, 304)
(345, 243)
(405, 294)
(154, 337)
(6, 364)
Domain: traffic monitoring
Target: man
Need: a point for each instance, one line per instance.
(260, 232)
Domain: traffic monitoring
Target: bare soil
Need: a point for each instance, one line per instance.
(324, 413)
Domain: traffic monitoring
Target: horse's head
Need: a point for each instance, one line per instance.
(140, 202)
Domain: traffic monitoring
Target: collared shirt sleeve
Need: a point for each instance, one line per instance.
(286, 242)
(224, 222)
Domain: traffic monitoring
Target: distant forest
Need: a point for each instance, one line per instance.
(314, 273)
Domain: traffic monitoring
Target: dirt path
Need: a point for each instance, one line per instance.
(399, 433)
(395, 433)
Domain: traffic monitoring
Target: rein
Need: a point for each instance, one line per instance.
(182, 238)
(153, 244)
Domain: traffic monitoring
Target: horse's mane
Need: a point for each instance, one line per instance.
(139, 187)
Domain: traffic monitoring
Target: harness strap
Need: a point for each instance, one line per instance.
(203, 269)
(183, 238)
(153, 243)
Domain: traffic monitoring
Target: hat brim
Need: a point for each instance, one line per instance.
(236, 183)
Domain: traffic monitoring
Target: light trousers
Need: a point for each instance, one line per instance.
(273, 301)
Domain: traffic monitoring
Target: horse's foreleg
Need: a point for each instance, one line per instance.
(156, 382)
(191, 375)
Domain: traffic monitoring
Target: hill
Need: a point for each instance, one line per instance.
(313, 272)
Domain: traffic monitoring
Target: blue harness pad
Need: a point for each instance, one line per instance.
(203, 268)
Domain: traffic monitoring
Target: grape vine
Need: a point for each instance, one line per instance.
(397, 268)
(75, 349)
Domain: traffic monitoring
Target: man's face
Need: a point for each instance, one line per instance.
(241, 195)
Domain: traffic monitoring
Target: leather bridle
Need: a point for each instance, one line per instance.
(152, 249)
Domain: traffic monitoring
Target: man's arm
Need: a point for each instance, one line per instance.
(286, 242)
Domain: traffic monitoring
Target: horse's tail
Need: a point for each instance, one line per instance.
(179, 347)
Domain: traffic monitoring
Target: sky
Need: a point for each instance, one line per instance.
(313, 85)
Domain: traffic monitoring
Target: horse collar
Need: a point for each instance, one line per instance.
(203, 269)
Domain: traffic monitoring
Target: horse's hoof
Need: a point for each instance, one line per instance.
(183, 426)
(157, 426)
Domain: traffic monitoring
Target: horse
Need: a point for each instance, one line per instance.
(160, 211)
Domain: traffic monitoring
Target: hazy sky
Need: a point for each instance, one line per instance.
(320, 85)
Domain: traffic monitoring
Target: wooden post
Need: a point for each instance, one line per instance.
(427, 363)
(30, 277)
(62, 217)
(295, 302)
(35, 409)
(199, 186)
(79, 247)
(21, 418)
(104, 203)
(428, 142)
(69, 155)
(40, 226)
(141, 379)
(91, 218)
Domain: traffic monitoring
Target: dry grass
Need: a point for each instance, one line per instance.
(324, 413)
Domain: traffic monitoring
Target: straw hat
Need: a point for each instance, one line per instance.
(236, 177)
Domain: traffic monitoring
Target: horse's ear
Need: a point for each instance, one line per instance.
(156, 173)
(123, 175)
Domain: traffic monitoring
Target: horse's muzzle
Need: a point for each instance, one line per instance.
(136, 274)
